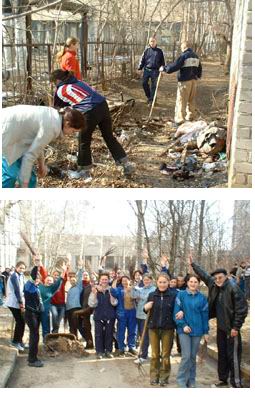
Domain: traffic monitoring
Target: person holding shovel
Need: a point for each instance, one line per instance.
(26, 131)
(228, 304)
(189, 70)
(141, 296)
(79, 95)
(161, 329)
(151, 61)
(190, 329)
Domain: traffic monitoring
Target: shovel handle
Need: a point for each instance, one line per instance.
(143, 333)
(155, 96)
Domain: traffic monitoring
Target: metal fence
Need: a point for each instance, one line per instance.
(26, 68)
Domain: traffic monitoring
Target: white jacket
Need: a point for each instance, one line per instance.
(26, 131)
(15, 290)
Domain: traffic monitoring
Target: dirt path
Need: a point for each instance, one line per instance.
(145, 148)
(88, 372)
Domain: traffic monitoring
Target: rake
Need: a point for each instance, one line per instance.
(140, 364)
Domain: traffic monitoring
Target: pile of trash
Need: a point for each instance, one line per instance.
(64, 343)
(197, 147)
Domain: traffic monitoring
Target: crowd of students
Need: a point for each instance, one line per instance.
(120, 306)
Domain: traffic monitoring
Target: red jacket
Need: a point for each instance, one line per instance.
(70, 62)
(59, 298)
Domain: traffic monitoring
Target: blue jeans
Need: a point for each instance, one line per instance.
(58, 313)
(10, 174)
(45, 320)
(150, 89)
(145, 346)
(127, 321)
(186, 376)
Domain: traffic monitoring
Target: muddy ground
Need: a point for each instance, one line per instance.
(146, 145)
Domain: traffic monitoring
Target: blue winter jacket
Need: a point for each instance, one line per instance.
(77, 94)
(152, 58)
(188, 66)
(141, 296)
(196, 312)
(73, 295)
(118, 293)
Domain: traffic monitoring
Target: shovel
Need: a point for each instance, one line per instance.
(155, 97)
(140, 365)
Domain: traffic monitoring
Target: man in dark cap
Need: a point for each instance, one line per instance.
(227, 303)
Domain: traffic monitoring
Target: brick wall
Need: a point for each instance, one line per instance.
(240, 171)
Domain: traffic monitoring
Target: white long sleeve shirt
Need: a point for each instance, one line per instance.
(26, 131)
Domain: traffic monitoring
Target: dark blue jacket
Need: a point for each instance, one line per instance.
(188, 65)
(33, 300)
(104, 309)
(152, 58)
(196, 312)
(161, 314)
(77, 94)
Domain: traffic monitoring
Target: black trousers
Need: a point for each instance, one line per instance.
(33, 322)
(73, 320)
(229, 357)
(99, 116)
(84, 326)
(19, 325)
(104, 335)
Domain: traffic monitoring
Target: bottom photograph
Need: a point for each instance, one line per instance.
(125, 294)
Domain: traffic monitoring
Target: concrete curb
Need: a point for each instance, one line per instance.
(213, 353)
(8, 364)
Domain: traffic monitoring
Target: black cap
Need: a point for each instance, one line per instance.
(217, 271)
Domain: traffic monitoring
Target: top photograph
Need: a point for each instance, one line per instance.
(137, 94)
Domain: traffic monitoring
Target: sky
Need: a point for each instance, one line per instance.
(116, 217)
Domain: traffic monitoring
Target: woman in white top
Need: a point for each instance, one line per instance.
(26, 131)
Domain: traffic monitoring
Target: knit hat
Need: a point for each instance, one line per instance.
(219, 270)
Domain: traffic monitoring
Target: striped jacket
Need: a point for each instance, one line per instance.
(188, 66)
(77, 94)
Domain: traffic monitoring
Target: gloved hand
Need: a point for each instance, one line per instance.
(161, 69)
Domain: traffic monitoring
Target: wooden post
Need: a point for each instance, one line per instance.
(84, 42)
(29, 52)
(50, 65)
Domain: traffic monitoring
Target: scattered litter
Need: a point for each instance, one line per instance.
(216, 167)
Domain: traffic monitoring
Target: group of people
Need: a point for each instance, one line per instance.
(79, 108)
(131, 310)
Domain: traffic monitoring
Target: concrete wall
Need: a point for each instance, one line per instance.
(240, 171)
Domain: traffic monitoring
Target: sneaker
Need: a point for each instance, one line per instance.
(128, 168)
(132, 351)
(163, 383)
(24, 345)
(154, 382)
(108, 355)
(121, 353)
(140, 360)
(221, 384)
(37, 364)
(17, 346)
(99, 356)
(83, 174)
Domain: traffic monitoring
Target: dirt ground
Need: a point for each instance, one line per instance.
(145, 146)
(73, 371)
(67, 371)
